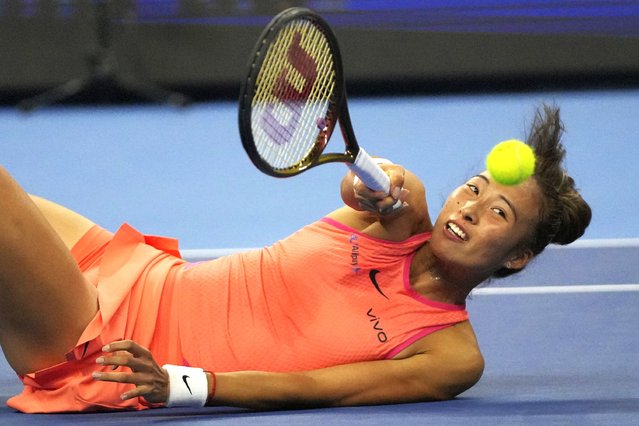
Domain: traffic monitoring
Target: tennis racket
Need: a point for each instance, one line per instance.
(293, 97)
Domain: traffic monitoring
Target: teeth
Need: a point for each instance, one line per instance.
(457, 231)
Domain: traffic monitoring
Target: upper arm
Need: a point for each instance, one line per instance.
(438, 374)
(422, 377)
(437, 367)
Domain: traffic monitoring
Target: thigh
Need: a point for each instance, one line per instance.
(45, 302)
(69, 225)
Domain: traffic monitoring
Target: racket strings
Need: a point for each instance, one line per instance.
(293, 91)
(288, 150)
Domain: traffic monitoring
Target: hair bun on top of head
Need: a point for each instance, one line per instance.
(565, 215)
(576, 213)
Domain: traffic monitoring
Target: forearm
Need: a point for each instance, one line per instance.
(428, 375)
(265, 391)
(367, 383)
(365, 215)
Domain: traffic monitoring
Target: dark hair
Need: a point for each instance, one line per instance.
(564, 215)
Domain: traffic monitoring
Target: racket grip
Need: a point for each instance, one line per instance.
(369, 172)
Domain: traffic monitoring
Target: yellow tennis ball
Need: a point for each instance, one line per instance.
(511, 162)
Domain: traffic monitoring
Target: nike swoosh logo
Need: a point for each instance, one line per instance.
(372, 275)
(187, 383)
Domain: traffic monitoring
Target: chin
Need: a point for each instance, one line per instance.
(447, 250)
(441, 246)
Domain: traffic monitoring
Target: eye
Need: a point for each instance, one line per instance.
(500, 212)
(473, 188)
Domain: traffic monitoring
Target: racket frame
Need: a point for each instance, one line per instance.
(337, 111)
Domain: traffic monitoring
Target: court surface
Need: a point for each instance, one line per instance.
(560, 340)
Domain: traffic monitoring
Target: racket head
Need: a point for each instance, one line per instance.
(291, 99)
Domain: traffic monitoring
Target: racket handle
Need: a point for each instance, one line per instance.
(369, 172)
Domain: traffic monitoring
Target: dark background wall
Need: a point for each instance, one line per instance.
(201, 47)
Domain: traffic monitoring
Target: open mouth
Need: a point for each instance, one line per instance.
(456, 231)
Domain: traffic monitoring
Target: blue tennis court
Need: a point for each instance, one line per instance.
(560, 339)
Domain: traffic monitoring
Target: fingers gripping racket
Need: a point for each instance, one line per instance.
(293, 97)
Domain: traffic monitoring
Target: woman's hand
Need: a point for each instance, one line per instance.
(378, 201)
(151, 381)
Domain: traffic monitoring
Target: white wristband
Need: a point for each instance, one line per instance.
(188, 386)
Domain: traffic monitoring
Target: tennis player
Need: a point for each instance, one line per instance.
(365, 306)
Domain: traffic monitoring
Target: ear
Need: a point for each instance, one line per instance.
(520, 261)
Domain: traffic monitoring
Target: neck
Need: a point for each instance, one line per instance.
(440, 281)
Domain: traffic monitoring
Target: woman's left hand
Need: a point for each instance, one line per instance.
(378, 201)
(151, 381)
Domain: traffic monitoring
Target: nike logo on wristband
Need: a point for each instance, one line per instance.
(187, 383)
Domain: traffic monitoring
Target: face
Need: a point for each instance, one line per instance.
(482, 222)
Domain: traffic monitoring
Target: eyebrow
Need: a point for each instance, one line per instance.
(506, 200)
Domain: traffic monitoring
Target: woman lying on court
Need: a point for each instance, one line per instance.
(360, 307)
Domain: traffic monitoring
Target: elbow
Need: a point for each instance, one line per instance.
(460, 379)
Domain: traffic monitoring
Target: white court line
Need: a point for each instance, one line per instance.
(553, 289)
(600, 243)
(200, 254)
(205, 254)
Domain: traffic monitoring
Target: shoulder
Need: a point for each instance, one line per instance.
(458, 338)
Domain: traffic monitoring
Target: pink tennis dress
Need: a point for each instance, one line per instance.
(324, 296)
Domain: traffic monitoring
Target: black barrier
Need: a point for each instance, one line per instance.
(405, 46)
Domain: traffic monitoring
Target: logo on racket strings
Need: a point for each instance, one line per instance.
(290, 100)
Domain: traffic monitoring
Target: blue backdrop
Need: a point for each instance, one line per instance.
(183, 173)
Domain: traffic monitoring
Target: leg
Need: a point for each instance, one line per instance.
(45, 303)
(69, 225)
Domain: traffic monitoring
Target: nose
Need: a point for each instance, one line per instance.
(468, 212)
